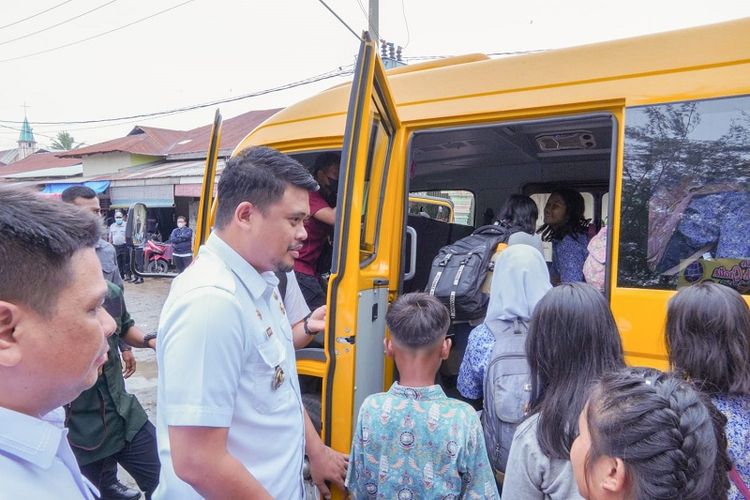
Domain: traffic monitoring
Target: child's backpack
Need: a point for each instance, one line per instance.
(459, 269)
(507, 391)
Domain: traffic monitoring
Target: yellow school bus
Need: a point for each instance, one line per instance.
(655, 131)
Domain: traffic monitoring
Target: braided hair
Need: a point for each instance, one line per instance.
(663, 430)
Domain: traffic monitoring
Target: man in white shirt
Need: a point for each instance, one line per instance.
(231, 422)
(52, 339)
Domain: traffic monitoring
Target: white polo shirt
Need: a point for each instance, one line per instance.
(222, 333)
(36, 460)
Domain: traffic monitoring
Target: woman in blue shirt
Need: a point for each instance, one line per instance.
(566, 227)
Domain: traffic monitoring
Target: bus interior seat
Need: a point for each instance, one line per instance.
(432, 235)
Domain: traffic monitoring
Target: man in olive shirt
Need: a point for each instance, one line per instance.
(107, 425)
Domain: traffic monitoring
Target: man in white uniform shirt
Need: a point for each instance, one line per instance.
(231, 422)
(53, 333)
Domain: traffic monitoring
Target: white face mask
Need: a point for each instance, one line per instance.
(180, 224)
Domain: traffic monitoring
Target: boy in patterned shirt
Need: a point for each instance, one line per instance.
(413, 441)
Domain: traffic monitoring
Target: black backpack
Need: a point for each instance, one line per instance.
(459, 269)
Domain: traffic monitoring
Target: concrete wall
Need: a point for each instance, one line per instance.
(108, 163)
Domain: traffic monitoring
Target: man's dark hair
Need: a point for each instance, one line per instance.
(572, 341)
(325, 160)
(519, 212)
(417, 320)
(708, 337)
(37, 239)
(259, 175)
(70, 194)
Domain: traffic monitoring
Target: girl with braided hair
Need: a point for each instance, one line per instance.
(645, 434)
(708, 340)
(571, 342)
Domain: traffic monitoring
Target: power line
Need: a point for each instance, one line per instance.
(406, 22)
(314, 79)
(98, 35)
(58, 24)
(337, 17)
(20, 130)
(34, 15)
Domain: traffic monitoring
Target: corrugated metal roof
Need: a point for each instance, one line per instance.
(38, 162)
(162, 170)
(233, 130)
(149, 141)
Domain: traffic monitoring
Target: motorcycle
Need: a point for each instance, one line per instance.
(158, 256)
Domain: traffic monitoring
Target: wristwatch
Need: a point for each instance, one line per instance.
(307, 327)
(147, 338)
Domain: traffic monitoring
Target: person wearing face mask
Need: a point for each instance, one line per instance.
(117, 238)
(182, 244)
(319, 227)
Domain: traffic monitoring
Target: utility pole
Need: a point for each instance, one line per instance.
(374, 21)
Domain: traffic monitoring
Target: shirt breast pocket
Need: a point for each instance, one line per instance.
(270, 378)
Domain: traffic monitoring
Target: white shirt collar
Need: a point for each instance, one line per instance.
(257, 283)
(29, 438)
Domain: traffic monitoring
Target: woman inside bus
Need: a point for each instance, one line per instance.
(566, 227)
(572, 341)
(520, 281)
(708, 340)
(519, 215)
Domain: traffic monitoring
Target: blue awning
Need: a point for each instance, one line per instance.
(98, 186)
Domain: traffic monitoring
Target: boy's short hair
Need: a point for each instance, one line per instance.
(70, 194)
(417, 320)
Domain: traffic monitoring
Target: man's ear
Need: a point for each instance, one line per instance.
(10, 352)
(615, 480)
(244, 212)
(445, 348)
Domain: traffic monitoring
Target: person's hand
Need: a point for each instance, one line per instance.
(128, 364)
(317, 321)
(328, 465)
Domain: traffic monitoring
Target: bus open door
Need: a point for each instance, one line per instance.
(371, 199)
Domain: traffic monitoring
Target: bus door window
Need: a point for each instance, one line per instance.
(685, 214)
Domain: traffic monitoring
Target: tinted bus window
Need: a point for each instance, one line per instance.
(686, 195)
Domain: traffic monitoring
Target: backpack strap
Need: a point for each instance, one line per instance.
(282, 284)
(734, 476)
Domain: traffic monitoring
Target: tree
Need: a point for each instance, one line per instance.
(64, 141)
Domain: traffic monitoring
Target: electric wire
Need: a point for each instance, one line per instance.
(97, 35)
(340, 20)
(406, 22)
(58, 24)
(32, 16)
(314, 79)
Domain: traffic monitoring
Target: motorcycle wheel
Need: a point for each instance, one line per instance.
(157, 266)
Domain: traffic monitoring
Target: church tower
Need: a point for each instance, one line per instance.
(26, 142)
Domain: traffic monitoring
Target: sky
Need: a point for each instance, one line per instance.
(199, 51)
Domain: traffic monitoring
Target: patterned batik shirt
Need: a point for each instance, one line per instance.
(737, 410)
(568, 256)
(474, 363)
(414, 443)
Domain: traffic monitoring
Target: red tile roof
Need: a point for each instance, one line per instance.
(38, 161)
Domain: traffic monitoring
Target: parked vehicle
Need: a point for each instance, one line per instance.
(157, 256)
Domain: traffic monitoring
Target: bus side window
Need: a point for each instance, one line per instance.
(685, 214)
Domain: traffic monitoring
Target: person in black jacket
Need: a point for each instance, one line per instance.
(182, 244)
